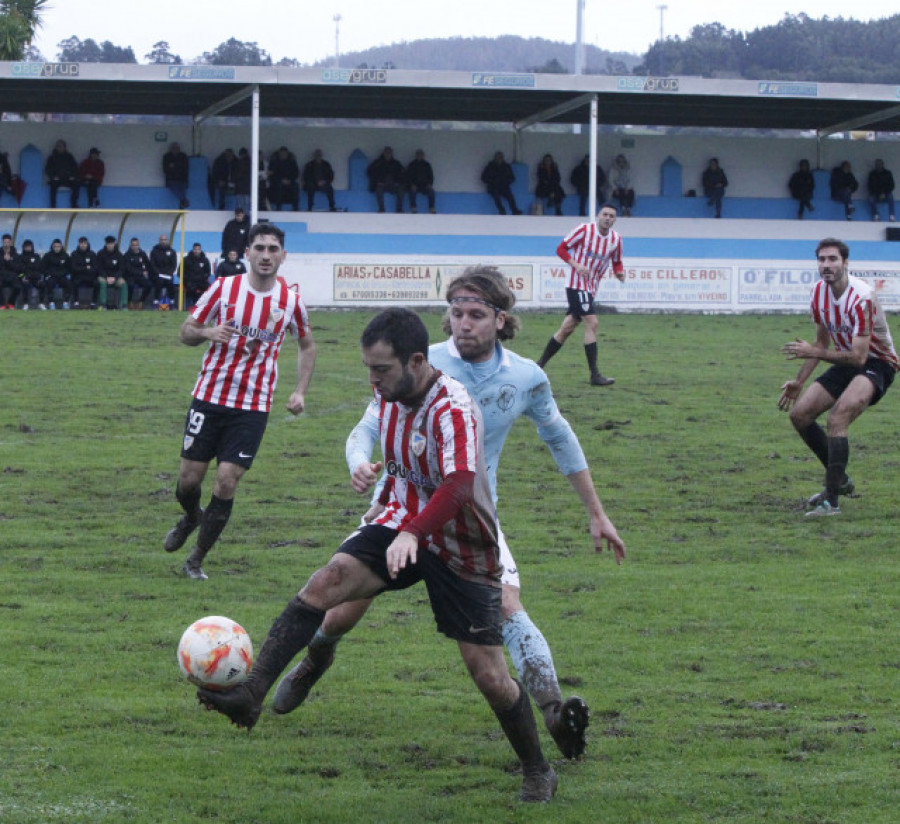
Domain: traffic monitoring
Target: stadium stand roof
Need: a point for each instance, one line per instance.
(496, 97)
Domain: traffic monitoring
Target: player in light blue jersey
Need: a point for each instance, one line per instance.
(506, 387)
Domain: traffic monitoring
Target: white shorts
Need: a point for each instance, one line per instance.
(510, 570)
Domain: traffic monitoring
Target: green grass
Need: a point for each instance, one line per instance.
(741, 666)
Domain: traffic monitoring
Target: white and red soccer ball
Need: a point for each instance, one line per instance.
(215, 652)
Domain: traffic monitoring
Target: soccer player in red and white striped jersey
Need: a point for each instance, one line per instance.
(590, 249)
(244, 319)
(848, 317)
(438, 527)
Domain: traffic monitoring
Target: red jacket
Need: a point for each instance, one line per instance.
(91, 168)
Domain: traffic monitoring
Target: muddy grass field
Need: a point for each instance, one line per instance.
(741, 666)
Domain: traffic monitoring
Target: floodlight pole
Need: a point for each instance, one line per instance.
(337, 40)
(254, 157)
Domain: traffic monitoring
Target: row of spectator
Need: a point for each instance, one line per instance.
(106, 278)
(844, 185)
(281, 180)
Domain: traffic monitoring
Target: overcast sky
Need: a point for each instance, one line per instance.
(306, 31)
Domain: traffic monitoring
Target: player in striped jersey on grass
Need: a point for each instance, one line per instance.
(245, 319)
(863, 362)
(590, 249)
(506, 387)
(436, 525)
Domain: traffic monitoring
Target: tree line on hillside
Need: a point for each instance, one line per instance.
(796, 48)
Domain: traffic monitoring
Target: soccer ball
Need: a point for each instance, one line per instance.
(215, 653)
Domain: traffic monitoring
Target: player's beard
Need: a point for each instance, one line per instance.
(404, 389)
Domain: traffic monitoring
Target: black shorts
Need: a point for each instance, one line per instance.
(836, 379)
(581, 303)
(463, 610)
(220, 432)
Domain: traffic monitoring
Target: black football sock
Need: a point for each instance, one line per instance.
(189, 500)
(518, 724)
(590, 352)
(553, 346)
(816, 439)
(836, 472)
(290, 633)
(212, 522)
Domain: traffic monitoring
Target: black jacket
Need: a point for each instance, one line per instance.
(85, 268)
(164, 260)
(110, 262)
(197, 270)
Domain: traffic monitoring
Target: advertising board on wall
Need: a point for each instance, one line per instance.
(412, 282)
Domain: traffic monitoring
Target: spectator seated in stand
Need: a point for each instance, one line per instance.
(284, 180)
(221, 177)
(10, 273)
(843, 184)
(580, 179)
(802, 185)
(62, 173)
(175, 171)
(549, 184)
(419, 178)
(85, 271)
(90, 176)
(57, 280)
(138, 273)
(243, 178)
(318, 176)
(110, 282)
(32, 275)
(385, 175)
(881, 190)
(196, 272)
(620, 182)
(164, 263)
(498, 176)
(230, 265)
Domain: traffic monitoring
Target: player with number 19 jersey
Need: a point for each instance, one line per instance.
(242, 374)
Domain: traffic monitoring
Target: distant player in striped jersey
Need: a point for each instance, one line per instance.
(244, 319)
(848, 315)
(506, 387)
(436, 525)
(590, 249)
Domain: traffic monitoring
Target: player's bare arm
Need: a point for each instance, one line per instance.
(790, 390)
(306, 364)
(603, 531)
(193, 333)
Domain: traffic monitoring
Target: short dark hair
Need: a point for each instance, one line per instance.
(489, 282)
(609, 206)
(109, 239)
(258, 229)
(6, 235)
(842, 247)
(402, 329)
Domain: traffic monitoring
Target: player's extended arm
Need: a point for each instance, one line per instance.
(306, 364)
(602, 529)
(555, 431)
